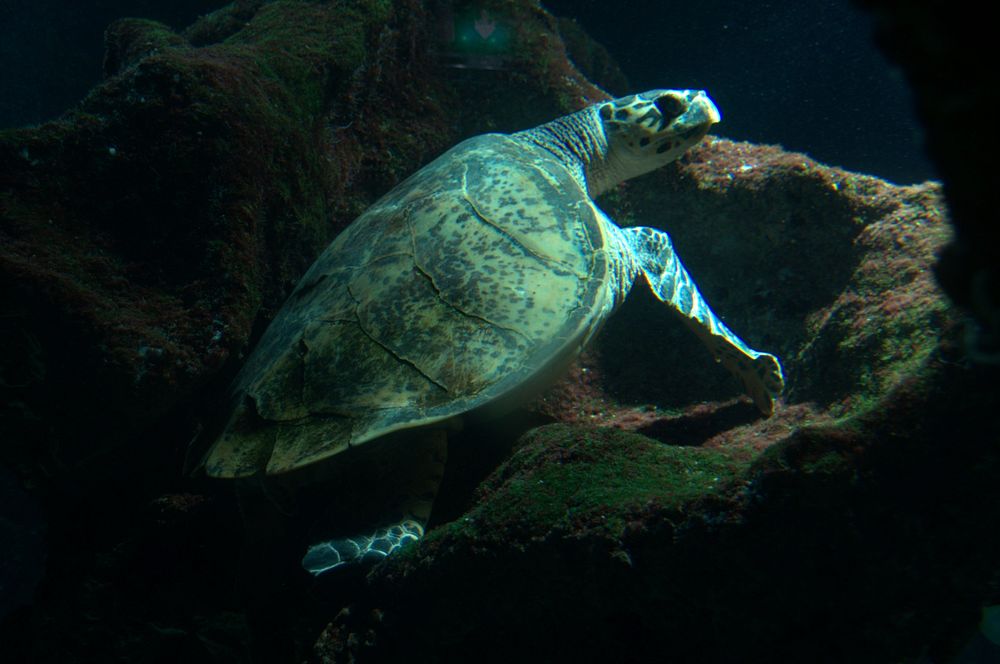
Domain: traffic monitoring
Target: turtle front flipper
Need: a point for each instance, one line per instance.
(416, 498)
(652, 253)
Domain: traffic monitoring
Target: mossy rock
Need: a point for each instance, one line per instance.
(574, 482)
(597, 544)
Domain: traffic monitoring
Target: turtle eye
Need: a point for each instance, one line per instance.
(670, 107)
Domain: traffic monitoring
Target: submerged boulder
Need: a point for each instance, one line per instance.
(868, 539)
(938, 48)
(148, 235)
(151, 231)
(829, 269)
(715, 536)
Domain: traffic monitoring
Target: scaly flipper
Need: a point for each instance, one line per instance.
(653, 254)
(416, 501)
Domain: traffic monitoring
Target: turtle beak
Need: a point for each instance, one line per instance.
(699, 117)
(700, 105)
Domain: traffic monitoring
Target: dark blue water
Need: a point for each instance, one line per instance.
(51, 50)
(800, 73)
(22, 544)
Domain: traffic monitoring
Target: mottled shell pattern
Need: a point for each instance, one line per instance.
(477, 273)
(464, 287)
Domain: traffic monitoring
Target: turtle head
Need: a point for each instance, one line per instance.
(647, 130)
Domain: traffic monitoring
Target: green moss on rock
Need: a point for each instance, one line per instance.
(575, 480)
(129, 40)
(145, 230)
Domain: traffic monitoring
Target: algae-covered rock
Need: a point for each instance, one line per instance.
(149, 234)
(142, 231)
(717, 552)
(938, 48)
(832, 269)
(129, 40)
(869, 540)
(577, 483)
(144, 234)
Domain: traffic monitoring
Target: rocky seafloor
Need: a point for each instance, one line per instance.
(639, 510)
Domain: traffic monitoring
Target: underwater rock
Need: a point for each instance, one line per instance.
(145, 578)
(129, 40)
(144, 230)
(830, 269)
(146, 235)
(592, 59)
(148, 232)
(830, 527)
(940, 49)
(857, 540)
(216, 26)
(22, 545)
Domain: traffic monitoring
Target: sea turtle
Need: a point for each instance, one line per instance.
(459, 291)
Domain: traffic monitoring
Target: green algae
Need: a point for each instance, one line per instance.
(576, 480)
(290, 40)
(129, 40)
(219, 151)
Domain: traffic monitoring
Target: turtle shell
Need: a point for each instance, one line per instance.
(458, 287)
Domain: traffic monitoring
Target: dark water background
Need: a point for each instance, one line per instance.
(800, 73)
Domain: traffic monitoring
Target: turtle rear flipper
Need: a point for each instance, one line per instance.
(325, 556)
(653, 255)
(416, 491)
